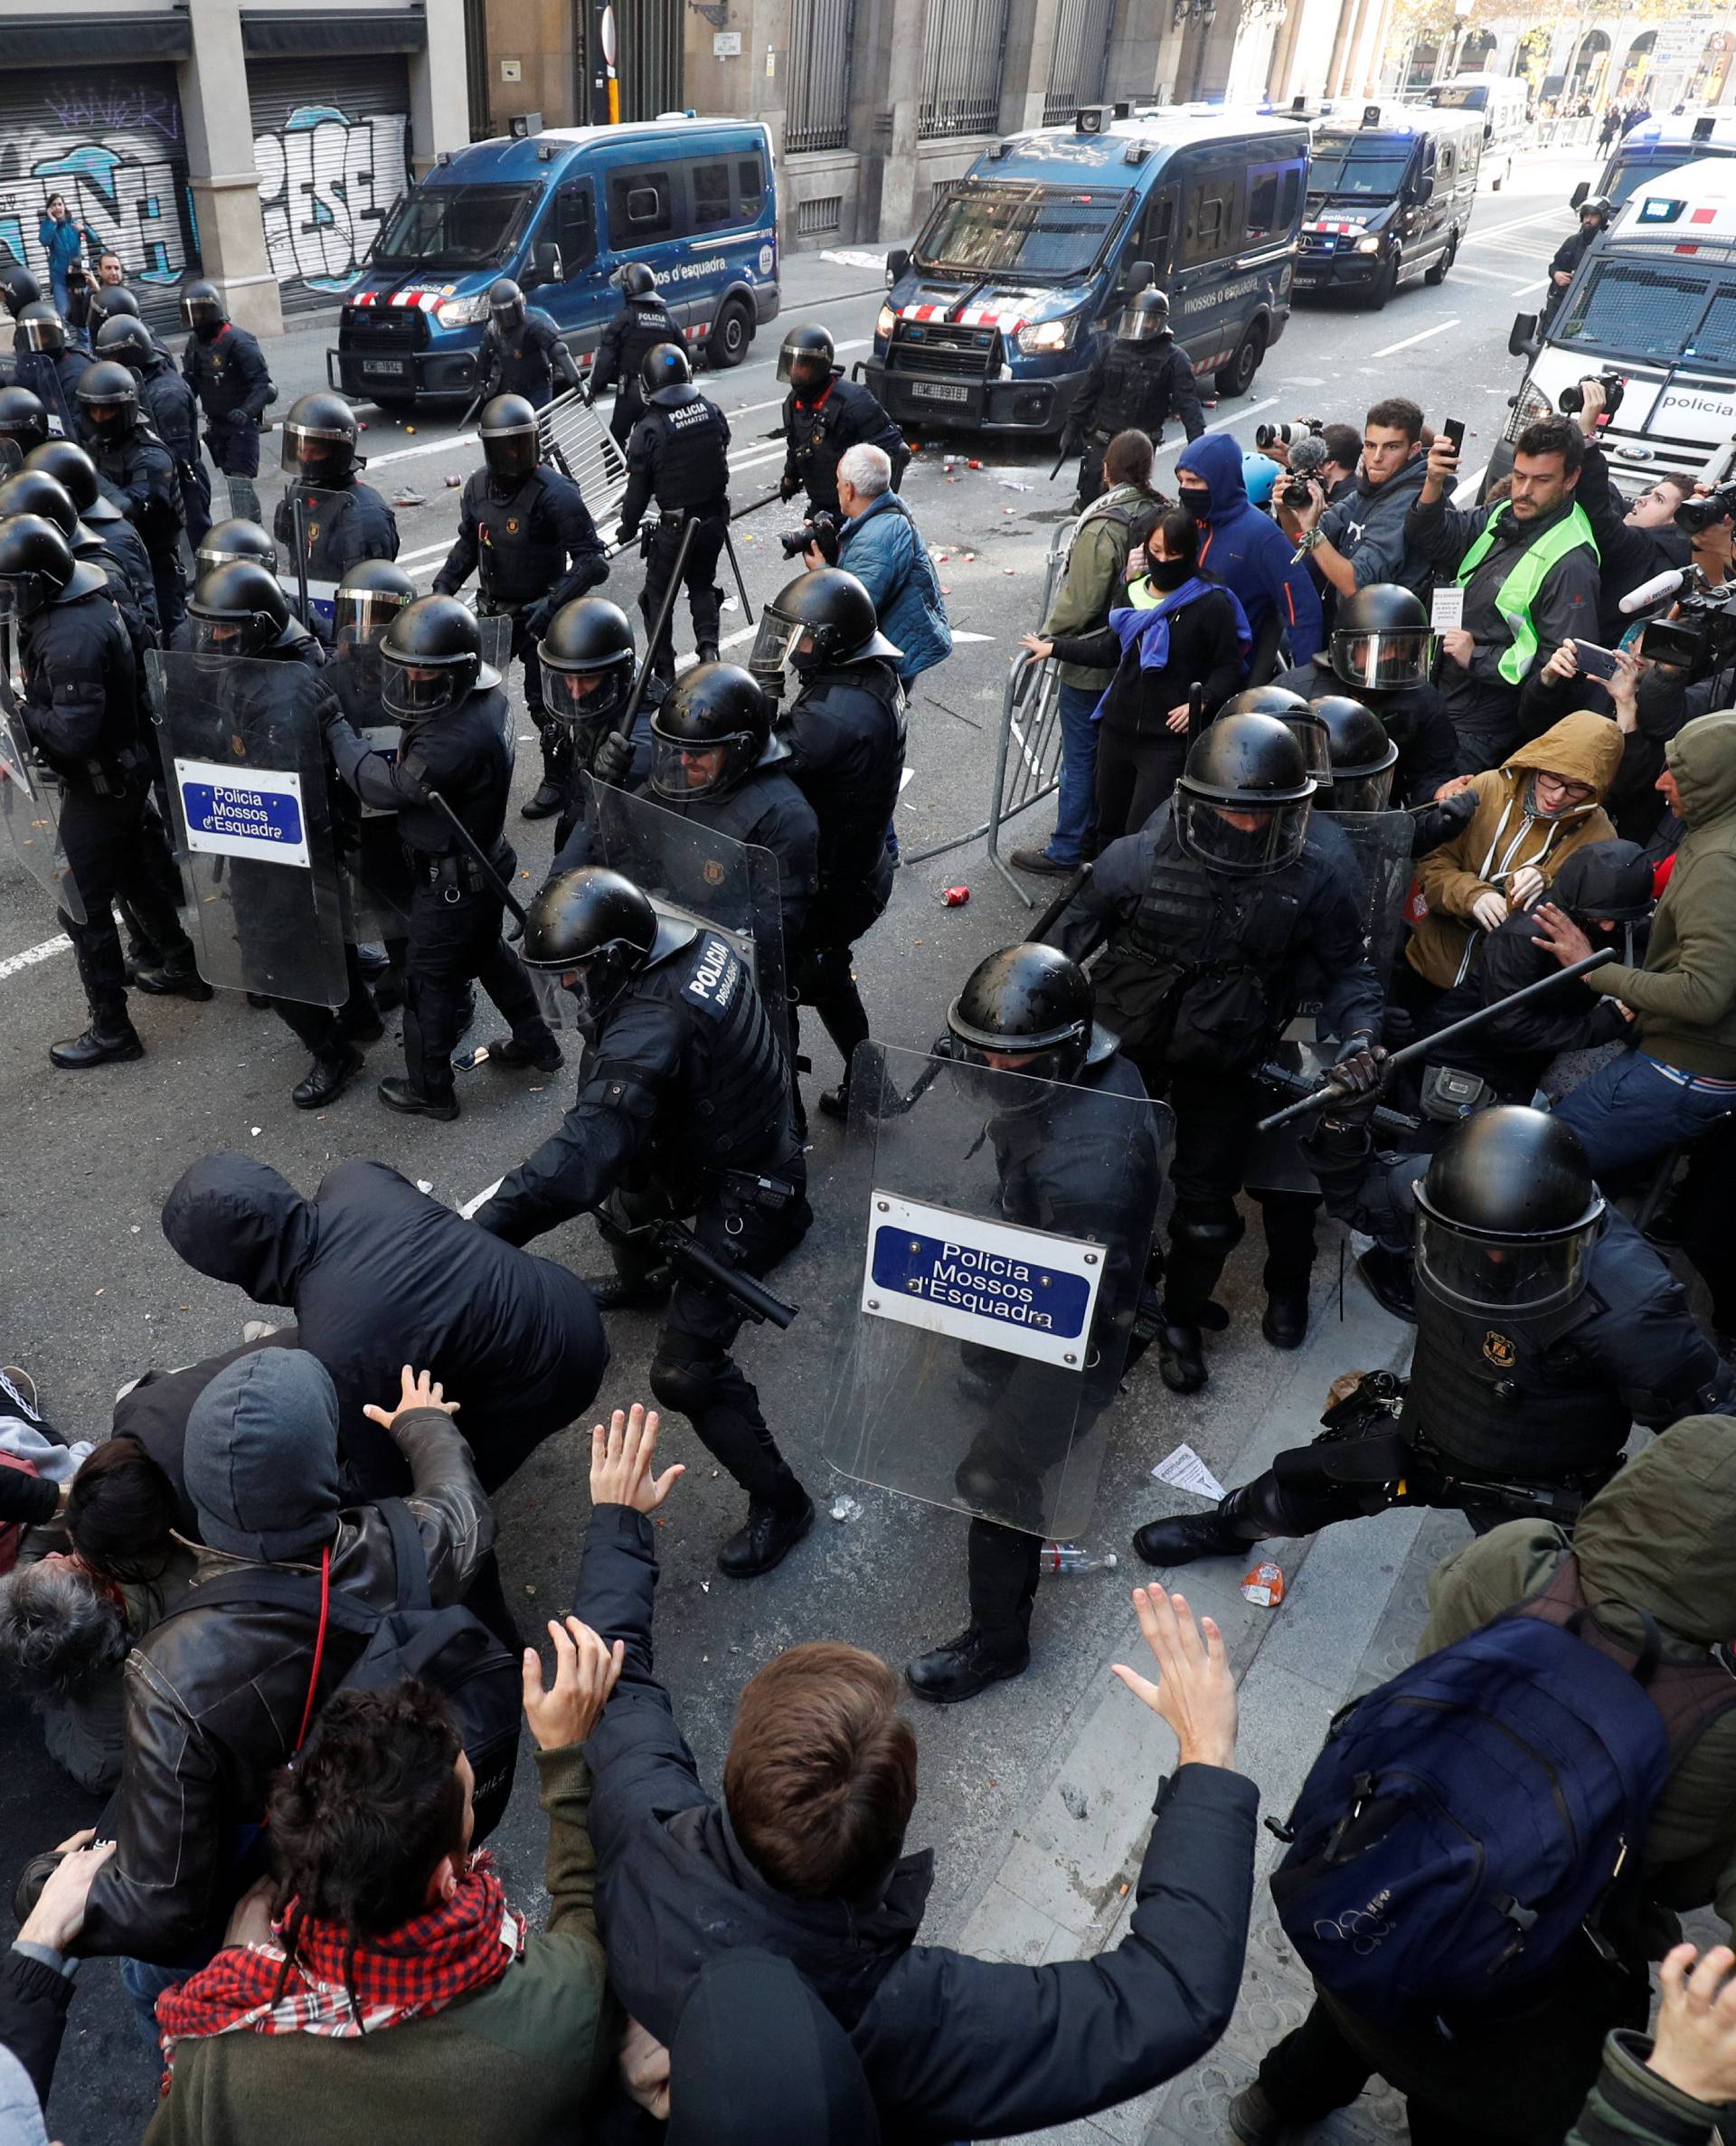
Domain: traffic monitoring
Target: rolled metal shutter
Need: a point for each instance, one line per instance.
(109, 139)
(331, 138)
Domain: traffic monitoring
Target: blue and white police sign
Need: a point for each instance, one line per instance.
(1021, 1290)
(251, 812)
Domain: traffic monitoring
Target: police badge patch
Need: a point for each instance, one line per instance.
(1500, 1351)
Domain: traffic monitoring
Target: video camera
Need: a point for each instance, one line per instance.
(1287, 435)
(1701, 639)
(822, 529)
(1705, 511)
(1309, 457)
(1571, 399)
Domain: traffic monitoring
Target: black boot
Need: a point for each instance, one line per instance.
(1226, 1531)
(639, 1292)
(834, 1102)
(173, 979)
(327, 1078)
(360, 1019)
(705, 652)
(771, 1533)
(1181, 1357)
(966, 1665)
(399, 1095)
(1392, 1280)
(109, 1040)
(1286, 1323)
(547, 801)
(506, 1050)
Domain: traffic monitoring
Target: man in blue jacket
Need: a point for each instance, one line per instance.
(880, 544)
(1248, 553)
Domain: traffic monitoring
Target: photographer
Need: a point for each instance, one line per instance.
(1358, 535)
(1635, 545)
(879, 542)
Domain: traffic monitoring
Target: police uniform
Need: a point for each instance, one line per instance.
(232, 385)
(767, 811)
(53, 375)
(635, 332)
(346, 522)
(821, 428)
(455, 912)
(175, 418)
(683, 1109)
(524, 360)
(142, 472)
(1131, 387)
(678, 455)
(535, 549)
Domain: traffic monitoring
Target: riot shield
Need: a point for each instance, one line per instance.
(31, 795)
(694, 873)
(244, 753)
(497, 653)
(996, 1239)
(1381, 842)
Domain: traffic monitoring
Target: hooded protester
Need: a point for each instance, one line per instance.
(218, 1698)
(1248, 553)
(1533, 812)
(379, 1276)
(758, 2058)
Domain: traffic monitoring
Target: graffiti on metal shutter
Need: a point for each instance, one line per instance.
(326, 182)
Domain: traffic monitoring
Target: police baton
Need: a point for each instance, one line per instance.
(299, 519)
(479, 855)
(735, 567)
(1332, 1092)
(1057, 909)
(1196, 710)
(659, 626)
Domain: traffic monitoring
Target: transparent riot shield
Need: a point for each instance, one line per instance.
(243, 751)
(315, 549)
(497, 655)
(694, 873)
(1381, 843)
(996, 1238)
(31, 794)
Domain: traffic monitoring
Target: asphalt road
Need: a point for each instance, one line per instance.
(94, 1294)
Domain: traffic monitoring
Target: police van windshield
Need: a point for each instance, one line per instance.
(1633, 309)
(455, 227)
(1473, 97)
(1006, 229)
(1351, 167)
(1635, 169)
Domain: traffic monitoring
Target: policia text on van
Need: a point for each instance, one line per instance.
(994, 318)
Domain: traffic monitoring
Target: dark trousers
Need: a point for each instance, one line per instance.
(324, 1029)
(553, 736)
(1215, 1115)
(453, 943)
(704, 598)
(171, 587)
(826, 980)
(1702, 1218)
(1486, 720)
(1134, 773)
(1289, 1218)
(195, 496)
(113, 849)
(235, 450)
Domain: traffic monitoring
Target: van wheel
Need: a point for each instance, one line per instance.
(731, 331)
(1437, 274)
(1237, 376)
(1380, 292)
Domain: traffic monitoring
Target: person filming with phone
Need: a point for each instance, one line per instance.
(1635, 543)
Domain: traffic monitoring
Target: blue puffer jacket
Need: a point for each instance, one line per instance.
(882, 548)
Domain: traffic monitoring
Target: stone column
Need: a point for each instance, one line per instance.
(885, 103)
(1030, 58)
(212, 81)
(440, 93)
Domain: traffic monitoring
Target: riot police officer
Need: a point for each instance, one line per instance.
(683, 1109)
(49, 367)
(23, 422)
(589, 665)
(527, 529)
(35, 492)
(824, 414)
(234, 538)
(227, 371)
(452, 713)
(643, 322)
(18, 288)
(71, 469)
(1065, 1163)
(1139, 379)
(1546, 1327)
(129, 453)
(343, 519)
(80, 710)
(1380, 652)
(845, 731)
(678, 455)
(233, 612)
(522, 352)
(1222, 915)
(169, 404)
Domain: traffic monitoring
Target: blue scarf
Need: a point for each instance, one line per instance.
(1148, 625)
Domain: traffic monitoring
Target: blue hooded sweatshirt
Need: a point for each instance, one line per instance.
(1248, 552)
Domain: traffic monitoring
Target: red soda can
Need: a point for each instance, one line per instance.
(956, 897)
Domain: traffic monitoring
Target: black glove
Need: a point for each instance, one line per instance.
(1359, 1074)
(536, 620)
(612, 759)
(1436, 824)
(625, 534)
(787, 486)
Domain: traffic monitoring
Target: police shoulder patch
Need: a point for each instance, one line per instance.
(716, 976)
(1500, 1350)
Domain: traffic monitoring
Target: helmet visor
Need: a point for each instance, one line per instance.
(1362, 793)
(1312, 735)
(585, 700)
(110, 421)
(315, 452)
(1139, 324)
(511, 457)
(1491, 1275)
(1241, 837)
(803, 368)
(363, 614)
(416, 693)
(21, 595)
(682, 768)
(773, 647)
(43, 334)
(1390, 659)
(216, 637)
(508, 313)
(201, 313)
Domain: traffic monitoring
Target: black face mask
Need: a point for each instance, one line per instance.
(1197, 500)
(1168, 574)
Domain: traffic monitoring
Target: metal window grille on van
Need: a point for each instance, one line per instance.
(963, 60)
(1082, 58)
(813, 218)
(821, 34)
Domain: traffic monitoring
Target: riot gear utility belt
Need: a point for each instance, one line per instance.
(457, 876)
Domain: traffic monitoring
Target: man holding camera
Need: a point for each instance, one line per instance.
(1528, 566)
(880, 544)
(1359, 537)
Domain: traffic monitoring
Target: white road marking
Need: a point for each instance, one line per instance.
(1483, 238)
(1519, 289)
(33, 954)
(1422, 336)
(481, 1199)
(959, 634)
(1223, 424)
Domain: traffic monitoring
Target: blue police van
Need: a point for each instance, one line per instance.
(993, 317)
(561, 212)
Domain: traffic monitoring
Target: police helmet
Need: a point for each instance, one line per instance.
(35, 492)
(1243, 797)
(22, 417)
(709, 732)
(37, 568)
(664, 365)
(1362, 757)
(1292, 711)
(588, 661)
(1380, 638)
(125, 336)
(596, 927)
(506, 304)
(235, 538)
(509, 446)
(43, 329)
(634, 280)
(202, 307)
(69, 465)
(18, 288)
(237, 609)
(1601, 207)
(806, 359)
(1144, 317)
(112, 301)
(1028, 1002)
(816, 622)
(1507, 1213)
(319, 436)
(432, 662)
(108, 401)
(367, 599)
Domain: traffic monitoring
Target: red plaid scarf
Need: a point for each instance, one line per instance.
(466, 1943)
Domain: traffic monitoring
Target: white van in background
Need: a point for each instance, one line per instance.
(1501, 99)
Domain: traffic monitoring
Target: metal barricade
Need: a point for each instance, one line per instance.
(577, 442)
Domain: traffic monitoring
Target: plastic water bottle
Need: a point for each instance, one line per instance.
(1073, 1557)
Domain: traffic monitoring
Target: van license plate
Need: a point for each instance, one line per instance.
(934, 390)
(384, 368)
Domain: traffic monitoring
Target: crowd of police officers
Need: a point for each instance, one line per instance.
(1253, 898)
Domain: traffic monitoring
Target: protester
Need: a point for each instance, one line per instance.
(880, 544)
(758, 2058)
(1248, 553)
(1635, 543)
(1358, 533)
(63, 241)
(1675, 2089)
(36, 1981)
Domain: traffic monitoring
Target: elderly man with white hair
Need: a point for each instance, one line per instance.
(879, 542)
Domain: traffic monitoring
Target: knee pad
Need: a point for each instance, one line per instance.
(686, 1374)
(1213, 1226)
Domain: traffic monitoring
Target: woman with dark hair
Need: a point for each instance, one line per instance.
(1176, 629)
(120, 1514)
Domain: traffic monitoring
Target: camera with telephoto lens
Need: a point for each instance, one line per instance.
(1571, 399)
(821, 529)
(1701, 639)
(1706, 511)
(1300, 428)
